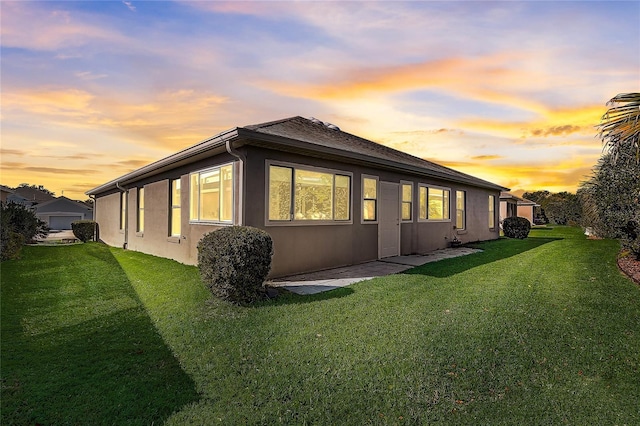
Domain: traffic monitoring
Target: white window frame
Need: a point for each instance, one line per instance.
(427, 186)
(464, 210)
(304, 222)
(412, 202)
(173, 207)
(233, 195)
(492, 211)
(362, 199)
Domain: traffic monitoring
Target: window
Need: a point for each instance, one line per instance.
(211, 195)
(434, 203)
(301, 194)
(140, 225)
(369, 199)
(492, 211)
(407, 201)
(461, 209)
(123, 210)
(175, 213)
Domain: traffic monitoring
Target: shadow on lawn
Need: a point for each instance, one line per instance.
(288, 298)
(93, 357)
(492, 251)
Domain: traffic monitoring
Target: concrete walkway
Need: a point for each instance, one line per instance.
(330, 279)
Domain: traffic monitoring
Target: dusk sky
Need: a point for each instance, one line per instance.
(510, 92)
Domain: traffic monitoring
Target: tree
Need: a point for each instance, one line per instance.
(620, 126)
(611, 198)
(562, 208)
(19, 225)
(40, 188)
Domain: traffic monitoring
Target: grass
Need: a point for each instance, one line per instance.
(78, 346)
(540, 331)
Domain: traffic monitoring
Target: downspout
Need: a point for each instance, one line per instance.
(126, 215)
(95, 217)
(241, 173)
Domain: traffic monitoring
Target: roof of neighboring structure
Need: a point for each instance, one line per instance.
(507, 196)
(33, 194)
(308, 136)
(6, 189)
(63, 203)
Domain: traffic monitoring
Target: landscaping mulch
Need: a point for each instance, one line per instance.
(631, 267)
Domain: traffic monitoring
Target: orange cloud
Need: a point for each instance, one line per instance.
(487, 157)
(490, 78)
(554, 176)
(549, 122)
(171, 119)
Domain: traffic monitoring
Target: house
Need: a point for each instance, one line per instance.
(5, 191)
(35, 195)
(511, 205)
(60, 212)
(327, 198)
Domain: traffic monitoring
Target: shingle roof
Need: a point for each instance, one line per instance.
(315, 132)
(314, 137)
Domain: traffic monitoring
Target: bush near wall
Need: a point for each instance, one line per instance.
(84, 230)
(10, 244)
(234, 262)
(516, 227)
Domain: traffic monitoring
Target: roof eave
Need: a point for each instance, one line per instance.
(185, 156)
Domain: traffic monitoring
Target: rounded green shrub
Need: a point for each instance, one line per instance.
(516, 227)
(84, 230)
(234, 262)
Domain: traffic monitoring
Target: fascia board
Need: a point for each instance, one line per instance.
(201, 150)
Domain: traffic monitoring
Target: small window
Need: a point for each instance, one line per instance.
(211, 195)
(369, 199)
(140, 226)
(407, 202)
(461, 209)
(434, 203)
(123, 210)
(298, 194)
(492, 211)
(175, 220)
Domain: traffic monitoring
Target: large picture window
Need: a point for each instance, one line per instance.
(369, 199)
(176, 209)
(300, 194)
(211, 195)
(433, 203)
(461, 201)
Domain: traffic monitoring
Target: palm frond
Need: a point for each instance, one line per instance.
(620, 125)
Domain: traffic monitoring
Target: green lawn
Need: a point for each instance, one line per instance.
(540, 331)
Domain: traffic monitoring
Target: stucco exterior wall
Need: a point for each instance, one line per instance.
(298, 247)
(526, 212)
(107, 212)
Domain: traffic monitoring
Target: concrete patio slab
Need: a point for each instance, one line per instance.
(330, 279)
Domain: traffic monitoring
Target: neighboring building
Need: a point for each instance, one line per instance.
(510, 205)
(60, 212)
(18, 199)
(5, 191)
(327, 198)
(33, 195)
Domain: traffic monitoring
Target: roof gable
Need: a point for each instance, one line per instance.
(62, 204)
